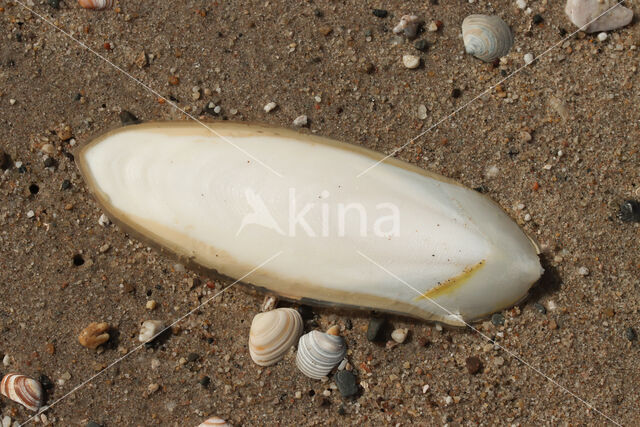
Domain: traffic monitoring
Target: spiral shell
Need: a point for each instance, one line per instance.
(215, 421)
(96, 4)
(24, 390)
(486, 37)
(272, 334)
(319, 353)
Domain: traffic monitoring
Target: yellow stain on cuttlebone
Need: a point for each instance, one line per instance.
(450, 285)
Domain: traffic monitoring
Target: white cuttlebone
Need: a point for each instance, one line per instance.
(180, 186)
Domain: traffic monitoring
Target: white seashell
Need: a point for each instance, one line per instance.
(408, 26)
(272, 334)
(582, 12)
(149, 330)
(215, 421)
(96, 4)
(319, 353)
(486, 37)
(183, 188)
(24, 390)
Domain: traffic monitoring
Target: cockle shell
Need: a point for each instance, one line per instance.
(486, 37)
(582, 12)
(272, 334)
(319, 353)
(96, 4)
(215, 421)
(222, 202)
(149, 330)
(24, 390)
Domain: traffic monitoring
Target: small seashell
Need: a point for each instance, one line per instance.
(215, 421)
(149, 330)
(24, 390)
(319, 353)
(408, 26)
(94, 335)
(272, 334)
(96, 4)
(582, 12)
(486, 37)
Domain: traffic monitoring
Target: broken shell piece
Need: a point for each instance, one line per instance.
(486, 37)
(94, 335)
(319, 353)
(96, 4)
(606, 15)
(23, 390)
(149, 330)
(215, 421)
(272, 334)
(408, 26)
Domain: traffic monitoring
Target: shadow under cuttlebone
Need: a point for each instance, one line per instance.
(550, 282)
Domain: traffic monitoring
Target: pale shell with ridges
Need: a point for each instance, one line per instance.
(23, 390)
(319, 353)
(606, 15)
(213, 422)
(486, 37)
(272, 334)
(96, 4)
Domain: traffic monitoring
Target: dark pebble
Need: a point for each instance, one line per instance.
(537, 19)
(348, 324)
(630, 334)
(456, 93)
(629, 211)
(78, 260)
(5, 161)
(346, 383)
(49, 162)
(318, 13)
(54, 4)
(433, 2)
(380, 13)
(93, 424)
(562, 32)
(374, 330)
(33, 189)
(540, 308)
(66, 184)
(497, 319)
(192, 357)
(474, 365)
(368, 68)
(77, 97)
(22, 169)
(421, 45)
(503, 73)
(128, 118)
(205, 381)
(482, 189)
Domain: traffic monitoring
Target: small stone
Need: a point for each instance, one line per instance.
(48, 149)
(173, 80)
(12, 101)
(527, 217)
(325, 30)
(141, 60)
(540, 308)
(408, 26)
(422, 45)
(104, 248)
(583, 271)
(128, 118)
(537, 19)
(298, 395)
(629, 211)
(270, 107)
(104, 220)
(6, 360)
(411, 61)
(192, 357)
(368, 68)
(152, 388)
(474, 365)
(151, 305)
(31, 214)
(630, 334)
(433, 27)
(94, 335)
(522, 4)
(525, 136)
(602, 37)
(54, 4)
(155, 363)
(49, 162)
(301, 121)
(66, 184)
(374, 330)
(528, 58)
(380, 13)
(553, 325)
(422, 112)
(64, 132)
(346, 382)
(399, 335)
(497, 319)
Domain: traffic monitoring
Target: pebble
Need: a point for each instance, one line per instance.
(411, 61)
(12, 101)
(104, 220)
(474, 365)
(422, 112)
(629, 211)
(433, 27)
(128, 118)
(540, 308)
(346, 382)
(6, 421)
(374, 330)
(602, 37)
(399, 335)
(153, 388)
(64, 132)
(422, 45)
(380, 13)
(301, 121)
(155, 363)
(537, 19)
(583, 271)
(270, 107)
(630, 334)
(456, 93)
(93, 424)
(522, 4)
(30, 214)
(151, 305)
(497, 319)
(527, 217)
(528, 58)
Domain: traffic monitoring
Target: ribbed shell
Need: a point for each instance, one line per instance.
(319, 353)
(272, 334)
(96, 4)
(22, 389)
(215, 421)
(486, 37)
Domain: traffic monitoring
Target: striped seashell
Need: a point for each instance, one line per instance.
(486, 37)
(215, 421)
(319, 353)
(272, 334)
(96, 4)
(22, 389)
